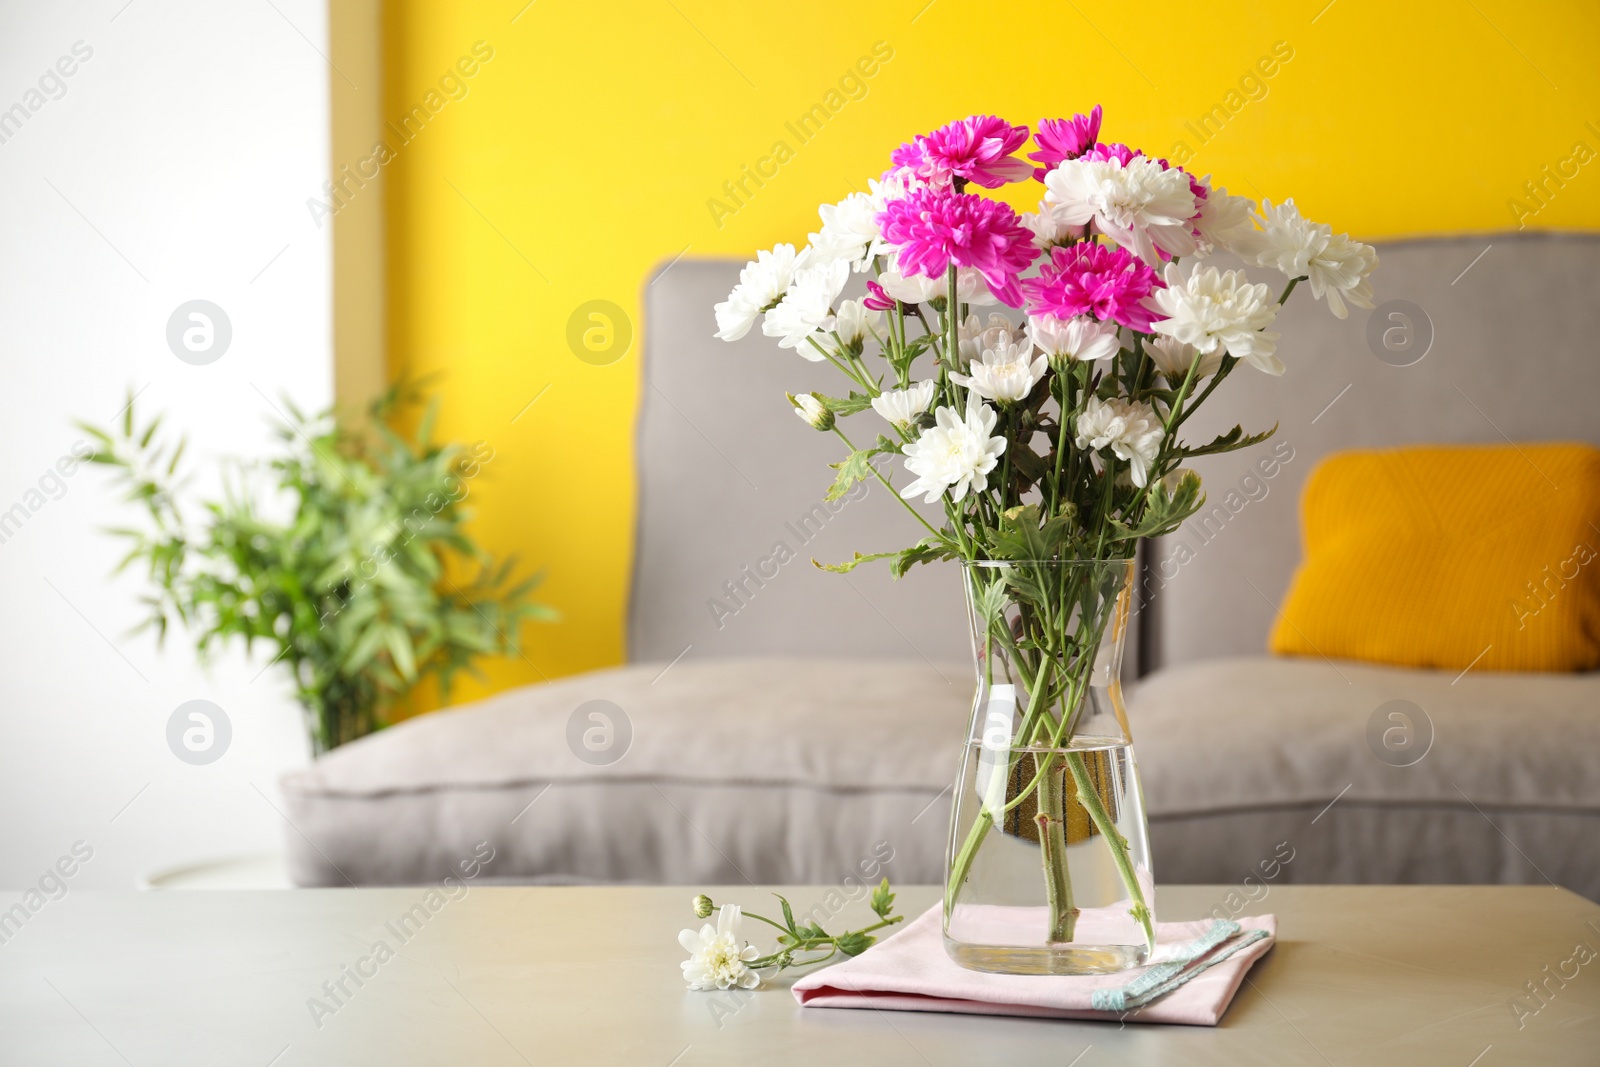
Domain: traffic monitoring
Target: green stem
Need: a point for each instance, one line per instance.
(1079, 671)
(810, 944)
(865, 381)
(1090, 799)
(952, 320)
(1053, 852)
(1227, 365)
(938, 351)
(879, 475)
(961, 866)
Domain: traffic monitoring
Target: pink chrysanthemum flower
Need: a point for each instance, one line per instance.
(1118, 151)
(1088, 278)
(977, 149)
(934, 228)
(1063, 139)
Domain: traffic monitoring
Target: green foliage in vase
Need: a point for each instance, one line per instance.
(345, 555)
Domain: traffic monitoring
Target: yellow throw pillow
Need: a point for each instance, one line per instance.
(1450, 556)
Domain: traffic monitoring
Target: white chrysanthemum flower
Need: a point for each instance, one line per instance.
(812, 411)
(974, 335)
(1173, 359)
(761, 283)
(954, 453)
(1097, 425)
(850, 228)
(1139, 206)
(716, 956)
(1004, 374)
(1224, 222)
(896, 184)
(1047, 228)
(1335, 266)
(900, 407)
(854, 322)
(1342, 271)
(1215, 310)
(806, 307)
(970, 287)
(1080, 338)
(1129, 428)
(849, 232)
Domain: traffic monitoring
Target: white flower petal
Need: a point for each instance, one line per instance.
(1216, 311)
(761, 283)
(900, 407)
(1129, 428)
(955, 454)
(1139, 205)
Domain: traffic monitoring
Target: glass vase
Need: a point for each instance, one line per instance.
(1049, 862)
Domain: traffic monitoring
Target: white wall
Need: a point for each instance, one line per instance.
(181, 156)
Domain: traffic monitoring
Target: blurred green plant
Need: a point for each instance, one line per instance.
(354, 589)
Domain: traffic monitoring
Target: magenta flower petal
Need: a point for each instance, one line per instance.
(933, 228)
(978, 149)
(876, 299)
(1062, 139)
(1088, 278)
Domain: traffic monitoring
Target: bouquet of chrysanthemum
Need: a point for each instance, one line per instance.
(1053, 439)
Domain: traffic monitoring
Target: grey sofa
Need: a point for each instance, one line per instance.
(778, 724)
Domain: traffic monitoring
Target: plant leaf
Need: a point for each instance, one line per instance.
(882, 900)
(854, 943)
(851, 564)
(846, 406)
(1231, 441)
(1165, 511)
(926, 550)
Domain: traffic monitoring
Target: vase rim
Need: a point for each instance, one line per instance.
(996, 564)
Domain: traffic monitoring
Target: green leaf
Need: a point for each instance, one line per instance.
(926, 550)
(1027, 463)
(1165, 509)
(854, 468)
(399, 644)
(851, 564)
(991, 599)
(847, 406)
(788, 914)
(1025, 535)
(854, 943)
(1231, 441)
(882, 900)
(914, 348)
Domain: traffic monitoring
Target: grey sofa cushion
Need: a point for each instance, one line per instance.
(762, 769)
(803, 770)
(1242, 754)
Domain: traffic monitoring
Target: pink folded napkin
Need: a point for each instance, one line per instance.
(1196, 969)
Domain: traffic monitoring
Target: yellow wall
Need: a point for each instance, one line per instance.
(585, 153)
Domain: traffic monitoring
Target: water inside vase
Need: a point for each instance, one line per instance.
(1000, 919)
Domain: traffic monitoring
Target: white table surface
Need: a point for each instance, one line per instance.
(510, 976)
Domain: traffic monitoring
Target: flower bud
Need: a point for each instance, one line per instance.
(812, 410)
(703, 907)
